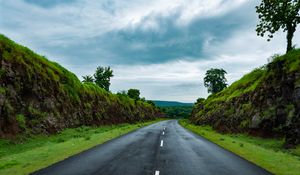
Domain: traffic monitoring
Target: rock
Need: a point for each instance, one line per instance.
(296, 95)
(255, 121)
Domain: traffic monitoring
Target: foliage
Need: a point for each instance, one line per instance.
(102, 77)
(87, 79)
(177, 111)
(160, 103)
(150, 102)
(267, 153)
(122, 93)
(200, 100)
(134, 94)
(278, 14)
(21, 121)
(215, 80)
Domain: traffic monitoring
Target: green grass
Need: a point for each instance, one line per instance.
(267, 153)
(23, 156)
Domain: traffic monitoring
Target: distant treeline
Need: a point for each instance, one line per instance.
(177, 111)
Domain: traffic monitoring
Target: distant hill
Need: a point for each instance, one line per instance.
(170, 103)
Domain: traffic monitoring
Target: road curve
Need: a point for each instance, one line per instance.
(163, 148)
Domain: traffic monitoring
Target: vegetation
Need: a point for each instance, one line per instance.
(215, 80)
(25, 155)
(263, 102)
(88, 79)
(44, 97)
(134, 94)
(177, 111)
(278, 14)
(266, 153)
(102, 77)
(170, 103)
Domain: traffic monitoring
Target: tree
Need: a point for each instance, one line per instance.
(102, 77)
(87, 79)
(215, 80)
(134, 94)
(278, 14)
(200, 100)
(122, 93)
(150, 102)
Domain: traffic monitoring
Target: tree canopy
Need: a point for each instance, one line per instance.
(278, 14)
(134, 94)
(87, 79)
(215, 80)
(102, 77)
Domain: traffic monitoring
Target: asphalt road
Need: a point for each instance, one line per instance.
(164, 148)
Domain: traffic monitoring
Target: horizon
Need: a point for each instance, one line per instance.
(161, 48)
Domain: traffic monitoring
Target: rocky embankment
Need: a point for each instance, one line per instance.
(40, 96)
(265, 102)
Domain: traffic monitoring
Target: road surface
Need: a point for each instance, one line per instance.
(164, 148)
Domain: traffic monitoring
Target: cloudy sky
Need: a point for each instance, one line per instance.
(162, 47)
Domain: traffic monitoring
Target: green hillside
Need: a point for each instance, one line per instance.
(170, 103)
(40, 96)
(265, 102)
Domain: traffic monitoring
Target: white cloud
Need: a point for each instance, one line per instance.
(179, 80)
(84, 19)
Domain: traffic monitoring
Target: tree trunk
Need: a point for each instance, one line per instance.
(290, 34)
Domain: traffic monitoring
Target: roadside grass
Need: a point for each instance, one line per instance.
(23, 156)
(266, 153)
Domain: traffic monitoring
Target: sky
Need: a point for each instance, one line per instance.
(162, 47)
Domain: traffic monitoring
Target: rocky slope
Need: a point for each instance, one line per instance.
(265, 102)
(39, 96)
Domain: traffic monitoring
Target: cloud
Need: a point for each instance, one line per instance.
(162, 47)
(118, 32)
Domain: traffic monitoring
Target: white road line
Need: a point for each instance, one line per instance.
(156, 172)
(163, 132)
(161, 143)
(164, 128)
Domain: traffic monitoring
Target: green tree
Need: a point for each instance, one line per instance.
(150, 102)
(200, 100)
(215, 80)
(278, 14)
(102, 77)
(87, 79)
(122, 93)
(134, 94)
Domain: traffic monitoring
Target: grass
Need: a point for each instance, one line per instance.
(267, 153)
(23, 156)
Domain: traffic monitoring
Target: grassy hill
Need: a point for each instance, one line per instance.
(170, 103)
(265, 102)
(40, 96)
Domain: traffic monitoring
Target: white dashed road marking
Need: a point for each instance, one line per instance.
(163, 132)
(161, 143)
(156, 172)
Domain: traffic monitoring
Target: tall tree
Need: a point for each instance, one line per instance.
(215, 80)
(134, 94)
(87, 79)
(278, 14)
(102, 77)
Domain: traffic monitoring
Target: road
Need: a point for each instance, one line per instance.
(164, 148)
